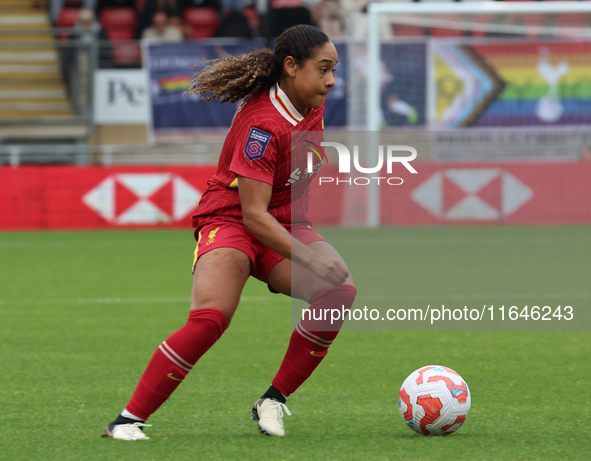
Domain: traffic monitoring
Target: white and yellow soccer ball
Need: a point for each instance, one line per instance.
(434, 400)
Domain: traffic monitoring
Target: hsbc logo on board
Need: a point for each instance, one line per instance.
(142, 198)
(472, 194)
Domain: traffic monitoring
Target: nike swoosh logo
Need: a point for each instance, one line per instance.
(314, 354)
(172, 377)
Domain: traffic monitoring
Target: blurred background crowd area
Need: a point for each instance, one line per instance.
(172, 21)
(52, 53)
(178, 20)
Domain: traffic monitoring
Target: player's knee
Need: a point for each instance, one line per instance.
(215, 318)
(328, 311)
(341, 296)
(213, 304)
(348, 292)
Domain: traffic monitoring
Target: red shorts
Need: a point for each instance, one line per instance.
(224, 234)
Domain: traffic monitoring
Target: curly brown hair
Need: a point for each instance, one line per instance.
(233, 78)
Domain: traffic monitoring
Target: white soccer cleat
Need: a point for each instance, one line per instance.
(126, 431)
(269, 414)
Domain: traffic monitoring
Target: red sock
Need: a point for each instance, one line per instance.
(174, 358)
(311, 339)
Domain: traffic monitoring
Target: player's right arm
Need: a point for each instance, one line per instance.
(254, 198)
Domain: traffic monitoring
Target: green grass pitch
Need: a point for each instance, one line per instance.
(82, 312)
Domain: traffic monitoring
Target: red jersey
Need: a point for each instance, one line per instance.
(259, 146)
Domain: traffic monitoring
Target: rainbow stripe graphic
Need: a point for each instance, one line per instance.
(546, 83)
(316, 150)
(174, 84)
(511, 84)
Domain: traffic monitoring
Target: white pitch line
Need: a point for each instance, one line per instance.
(172, 299)
(507, 296)
(385, 241)
(187, 299)
(16, 245)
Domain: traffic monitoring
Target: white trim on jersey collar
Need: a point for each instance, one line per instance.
(284, 105)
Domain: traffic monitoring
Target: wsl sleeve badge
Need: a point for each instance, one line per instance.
(434, 400)
(256, 144)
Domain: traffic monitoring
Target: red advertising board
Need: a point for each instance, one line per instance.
(67, 197)
(461, 194)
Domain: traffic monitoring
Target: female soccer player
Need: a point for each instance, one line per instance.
(252, 220)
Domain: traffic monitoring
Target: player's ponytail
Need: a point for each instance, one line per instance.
(234, 77)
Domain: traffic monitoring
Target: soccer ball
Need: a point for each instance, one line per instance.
(434, 400)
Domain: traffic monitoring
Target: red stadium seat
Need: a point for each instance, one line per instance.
(120, 34)
(126, 53)
(119, 23)
(441, 32)
(535, 21)
(401, 30)
(444, 32)
(253, 19)
(67, 18)
(204, 21)
(481, 19)
(572, 20)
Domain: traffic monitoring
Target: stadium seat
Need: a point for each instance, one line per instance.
(533, 20)
(126, 53)
(204, 21)
(481, 19)
(67, 18)
(401, 30)
(253, 19)
(572, 20)
(439, 32)
(444, 32)
(119, 23)
(120, 34)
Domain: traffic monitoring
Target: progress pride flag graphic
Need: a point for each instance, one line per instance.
(66, 197)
